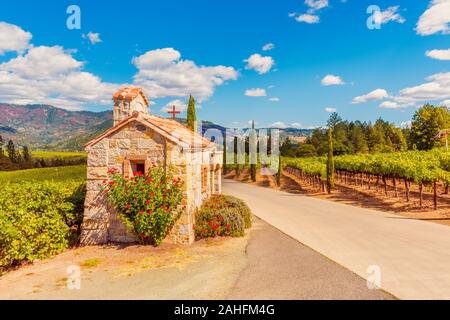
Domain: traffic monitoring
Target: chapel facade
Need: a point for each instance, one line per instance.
(137, 140)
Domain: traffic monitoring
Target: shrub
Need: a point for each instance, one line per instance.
(38, 220)
(150, 205)
(222, 216)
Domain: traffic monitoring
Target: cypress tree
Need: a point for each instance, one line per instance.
(191, 115)
(224, 165)
(330, 162)
(280, 168)
(252, 140)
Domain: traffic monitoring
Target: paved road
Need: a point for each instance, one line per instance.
(280, 267)
(413, 256)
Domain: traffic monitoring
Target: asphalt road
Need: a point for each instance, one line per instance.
(408, 258)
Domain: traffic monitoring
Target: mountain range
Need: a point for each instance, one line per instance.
(47, 127)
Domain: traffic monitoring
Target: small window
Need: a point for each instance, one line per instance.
(141, 128)
(138, 167)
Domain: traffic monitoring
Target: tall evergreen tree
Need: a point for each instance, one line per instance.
(191, 115)
(330, 162)
(253, 149)
(12, 153)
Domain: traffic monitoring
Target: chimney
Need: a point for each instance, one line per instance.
(128, 100)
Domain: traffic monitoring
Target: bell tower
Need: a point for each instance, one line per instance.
(128, 100)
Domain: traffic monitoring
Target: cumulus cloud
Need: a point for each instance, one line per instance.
(268, 47)
(278, 125)
(390, 14)
(93, 37)
(316, 4)
(50, 75)
(179, 105)
(308, 18)
(274, 99)
(377, 94)
(259, 63)
(296, 125)
(435, 19)
(439, 54)
(13, 38)
(255, 92)
(162, 73)
(391, 105)
(437, 88)
(332, 80)
(330, 110)
(446, 103)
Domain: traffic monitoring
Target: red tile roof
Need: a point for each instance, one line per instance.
(129, 93)
(169, 128)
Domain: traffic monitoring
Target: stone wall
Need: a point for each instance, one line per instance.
(135, 141)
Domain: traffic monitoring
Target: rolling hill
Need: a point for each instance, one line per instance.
(46, 127)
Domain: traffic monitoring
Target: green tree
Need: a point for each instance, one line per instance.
(330, 162)
(253, 149)
(333, 120)
(306, 150)
(26, 156)
(191, 114)
(427, 121)
(12, 153)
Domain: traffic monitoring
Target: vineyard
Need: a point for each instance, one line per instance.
(41, 211)
(423, 168)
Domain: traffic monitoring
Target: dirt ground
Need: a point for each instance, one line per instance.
(360, 196)
(265, 264)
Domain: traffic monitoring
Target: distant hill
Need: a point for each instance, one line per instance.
(49, 128)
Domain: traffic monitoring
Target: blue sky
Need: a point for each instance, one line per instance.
(174, 48)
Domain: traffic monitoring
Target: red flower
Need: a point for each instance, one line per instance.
(147, 202)
(149, 180)
(128, 206)
(152, 194)
(106, 190)
(149, 212)
(111, 183)
(141, 211)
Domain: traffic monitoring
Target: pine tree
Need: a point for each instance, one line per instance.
(191, 115)
(12, 154)
(26, 155)
(330, 162)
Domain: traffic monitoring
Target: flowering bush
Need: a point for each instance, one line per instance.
(148, 204)
(222, 216)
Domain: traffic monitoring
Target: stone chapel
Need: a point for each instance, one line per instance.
(136, 140)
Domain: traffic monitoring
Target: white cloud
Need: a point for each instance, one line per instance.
(49, 75)
(268, 47)
(439, 54)
(316, 4)
(278, 125)
(330, 110)
(406, 124)
(162, 73)
(377, 94)
(308, 18)
(435, 19)
(391, 105)
(296, 125)
(259, 63)
(255, 92)
(179, 105)
(390, 14)
(332, 80)
(274, 99)
(13, 38)
(93, 37)
(436, 89)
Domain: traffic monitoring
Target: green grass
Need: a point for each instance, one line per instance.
(57, 154)
(43, 174)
